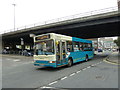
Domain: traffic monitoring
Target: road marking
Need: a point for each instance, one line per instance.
(92, 65)
(64, 78)
(72, 74)
(84, 69)
(89, 67)
(16, 60)
(53, 83)
(68, 76)
(110, 62)
(107, 61)
(46, 87)
(78, 71)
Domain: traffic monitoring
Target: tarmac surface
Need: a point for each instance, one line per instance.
(114, 58)
(100, 75)
(19, 72)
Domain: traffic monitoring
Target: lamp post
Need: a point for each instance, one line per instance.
(14, 15)
(22, 45)
(118, 5)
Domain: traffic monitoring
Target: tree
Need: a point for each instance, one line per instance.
(117, 42)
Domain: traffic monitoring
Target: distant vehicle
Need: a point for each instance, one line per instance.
(4, 51)
(100, 50)
(30, 52)
(114, 50)
(109, 49)
(56, 50)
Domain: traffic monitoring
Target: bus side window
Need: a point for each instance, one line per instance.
(87, 47)
(69, 46)
(81, 46)
(76, 46)
(84, 46)
(90, 46)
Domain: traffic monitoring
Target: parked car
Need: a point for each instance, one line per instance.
(29, 53)
(100, 50)
(114, 50)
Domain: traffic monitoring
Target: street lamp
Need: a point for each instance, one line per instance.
(22, 44)
(32, 36)
(14, 15)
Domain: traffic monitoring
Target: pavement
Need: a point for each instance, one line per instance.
(114, 58)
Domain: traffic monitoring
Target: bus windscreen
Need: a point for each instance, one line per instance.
(44, 47)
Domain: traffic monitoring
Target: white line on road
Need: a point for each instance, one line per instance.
(53, 83)
(78, 71)
(89, 67)
(46, 87)
(72, 74)
(84, 68)
(64, 78)
(93, 65)
(16, 60)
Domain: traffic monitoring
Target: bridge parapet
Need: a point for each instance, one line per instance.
(63, 19)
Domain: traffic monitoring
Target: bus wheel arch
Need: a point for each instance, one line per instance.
(86, 58)
(70, 61)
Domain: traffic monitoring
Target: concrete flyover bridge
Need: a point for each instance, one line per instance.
(93, 24)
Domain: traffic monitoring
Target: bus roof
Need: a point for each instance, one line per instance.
(74, 38)
(68, 38)
(81, 40)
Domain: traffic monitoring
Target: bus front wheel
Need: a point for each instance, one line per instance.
(86, 59)
(69, 62)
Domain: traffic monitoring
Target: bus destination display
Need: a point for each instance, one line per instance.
(42, 37)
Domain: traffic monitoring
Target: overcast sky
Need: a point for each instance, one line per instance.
(35, 11)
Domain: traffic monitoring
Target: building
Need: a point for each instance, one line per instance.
(107, 44)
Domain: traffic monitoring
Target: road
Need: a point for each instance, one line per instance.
(19, 72)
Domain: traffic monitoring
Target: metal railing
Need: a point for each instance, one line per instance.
(80, 15)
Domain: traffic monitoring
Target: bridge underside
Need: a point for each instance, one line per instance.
(94, 31)
(95, 28)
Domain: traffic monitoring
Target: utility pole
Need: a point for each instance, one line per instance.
(14, 15)
(118, 5)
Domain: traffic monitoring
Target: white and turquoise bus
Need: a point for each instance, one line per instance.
(56, 50)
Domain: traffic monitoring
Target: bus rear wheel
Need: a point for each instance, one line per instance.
(69, 62)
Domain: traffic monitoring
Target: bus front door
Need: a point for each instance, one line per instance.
(61, 52)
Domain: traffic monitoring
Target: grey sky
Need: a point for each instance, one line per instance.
(35, 11)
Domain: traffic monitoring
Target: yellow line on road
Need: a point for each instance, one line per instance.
(105, 60)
